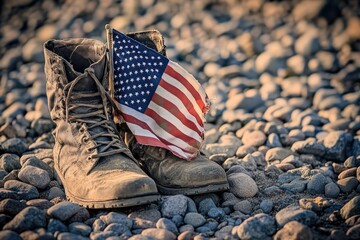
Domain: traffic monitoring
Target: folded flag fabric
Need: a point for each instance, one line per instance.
(162, 104)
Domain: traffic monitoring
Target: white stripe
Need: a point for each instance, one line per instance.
(175, 100)
(172, 81)
(155, 128)
(147, 133)
(174, 120)
(197, 86)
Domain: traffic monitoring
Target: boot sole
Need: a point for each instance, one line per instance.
(118, 203)
(193, 190)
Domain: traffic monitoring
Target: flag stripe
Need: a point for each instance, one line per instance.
(188, 111)
(188, 81)
(148, 138)
(169, 127)
(133, 116)
(178, 120)
(169, 87)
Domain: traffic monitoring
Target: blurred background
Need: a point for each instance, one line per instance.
(238, 45)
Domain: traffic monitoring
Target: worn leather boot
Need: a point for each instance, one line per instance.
(92, 161)
(172, 174)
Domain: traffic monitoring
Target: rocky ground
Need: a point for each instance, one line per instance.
(284, 80)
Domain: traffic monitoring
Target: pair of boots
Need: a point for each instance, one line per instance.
(96, 167)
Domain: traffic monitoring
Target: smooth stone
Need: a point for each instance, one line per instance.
(335, 143)
(80, 229)
(277, 154)
(295, 186)
(35, 162)
(63, 210)
(72, 236)
(55, 225)
(167, 224)
(116, 228)
(194, 219)
(158, 233)
(14, 145)
(348, 184)
(295, 213)
(260, 226)
(347, 173)
(254, 138)
(306, 147)
(354, 232)
(174, 205)
(317, 183)
(11, 207)
(242, 185)
(351, 208)
(9, 162)
(145, 218)
(34, 176)
(352, 162)
(205, 205)
(98, 225)
(115, 217)
(81, 216)
(266, 205)
(243, 206)
(332, 190)
(294, 230)
(26, 191)
(216, 213)
(29, 218)
(9, 235)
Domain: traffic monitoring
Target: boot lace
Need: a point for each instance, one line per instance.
(107, 138)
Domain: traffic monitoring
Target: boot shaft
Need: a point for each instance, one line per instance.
(66, 60)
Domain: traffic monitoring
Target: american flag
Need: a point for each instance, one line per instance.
(162, 104)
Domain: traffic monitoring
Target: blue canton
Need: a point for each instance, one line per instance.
(137, 71)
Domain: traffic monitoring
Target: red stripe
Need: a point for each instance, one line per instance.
(130, 119)
(170, 128)
(172, 108)
(182, 97)
(170, 71)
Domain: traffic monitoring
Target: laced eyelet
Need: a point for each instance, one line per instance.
(81, 130)
(85, 139)
(89, 158)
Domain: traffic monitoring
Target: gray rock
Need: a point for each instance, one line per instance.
(114, 217)
(307, 44)
(40, 203)
(295, 186)
(248, 101)
(145, 218)
(277, 154)
(273, 141)
(308, 147)
(335, 143)
(266, 205)
(194, 219)
(14, 145)
(63, 210)
(243, 206)
(67, 235)
(56, 226)
(351, 208)
(294, 230)
(254, 138)
(174, 205)
(35, 162)
(116, 228)
(348, 184)
(9, 162)
(27, 219)
(295, 213)
(317, 183)
(9, 235)
(99, 225)
(267, 62)
(101, 235)
(332, 190)
(216, 213)
(11, 206)
(80, 229)
(242, 185)
(354, 232)
(34, 176)
(352, 162)
(158, 233)
(205, 205)
(24, 190)
(167, 224)
(56, 192)
(260, 226)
